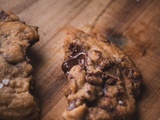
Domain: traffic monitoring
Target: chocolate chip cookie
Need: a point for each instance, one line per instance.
(103, 81)
(16, 102)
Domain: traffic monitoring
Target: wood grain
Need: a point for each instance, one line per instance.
(133, 25)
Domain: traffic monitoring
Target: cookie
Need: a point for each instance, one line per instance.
(16, 102)
(103, 81)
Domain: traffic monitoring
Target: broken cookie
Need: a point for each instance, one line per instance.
(103, 81)
(16, 102)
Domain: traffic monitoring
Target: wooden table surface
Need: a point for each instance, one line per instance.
(134, 25)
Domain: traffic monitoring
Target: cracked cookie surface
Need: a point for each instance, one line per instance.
(103, 81)
(16, 102)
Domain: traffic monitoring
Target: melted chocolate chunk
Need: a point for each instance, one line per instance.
(75, 60)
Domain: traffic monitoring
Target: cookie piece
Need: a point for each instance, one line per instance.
(16, 102)
(103, 81)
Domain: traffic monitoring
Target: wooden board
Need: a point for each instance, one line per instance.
(134, 25)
